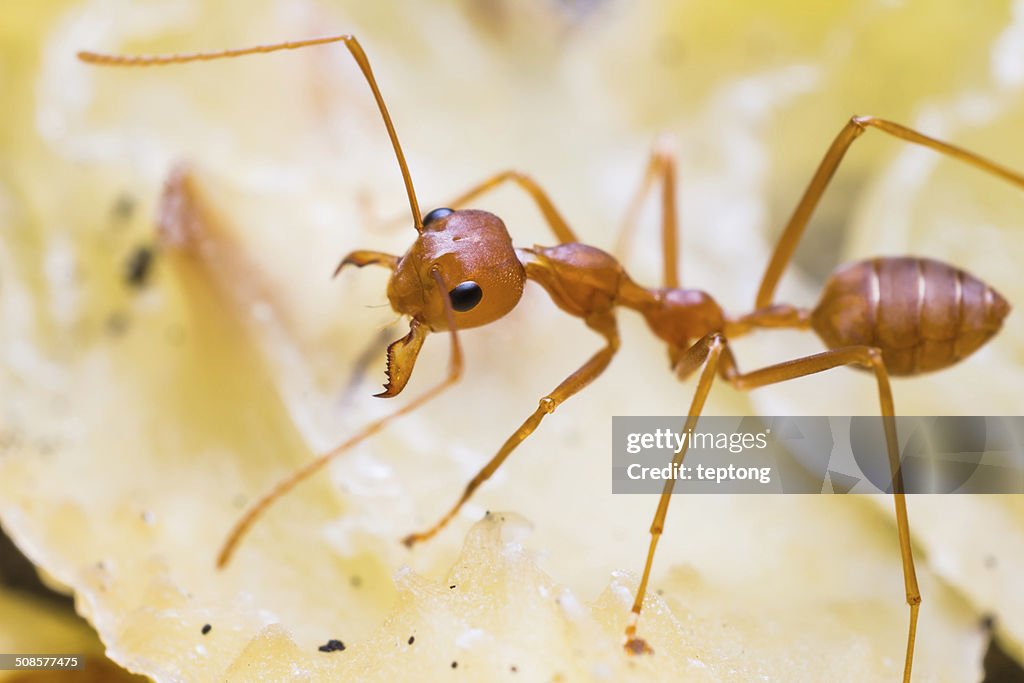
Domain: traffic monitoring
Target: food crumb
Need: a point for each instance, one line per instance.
(412, 639)
(332, 646)
(123, 207)
(206, 628)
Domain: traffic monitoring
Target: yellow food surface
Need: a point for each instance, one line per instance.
(136, 423)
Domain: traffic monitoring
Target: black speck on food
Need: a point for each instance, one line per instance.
(332, 645)
(412, 639)
(123, 207)
(513, 668)
(356, 581)
(117, 323)
(206, 628)
(455, 665)
(138, 266)
(451, 587)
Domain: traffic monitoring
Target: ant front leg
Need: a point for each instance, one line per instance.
(850, 132)
(602, 323)
(660, 167)
(563, 233)
(282, 487)
(870, 358)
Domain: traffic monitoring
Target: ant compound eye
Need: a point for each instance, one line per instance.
(436, 214)
(466, 296)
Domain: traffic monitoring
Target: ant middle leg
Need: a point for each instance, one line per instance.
(602, 323)
(707, 352)
(853, 129)
(661, 167)
(282, 487)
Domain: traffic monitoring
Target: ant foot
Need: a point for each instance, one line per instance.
(638, 646)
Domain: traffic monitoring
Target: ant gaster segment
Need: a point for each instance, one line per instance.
(885, 315)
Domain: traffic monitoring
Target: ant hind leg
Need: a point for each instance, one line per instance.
(853, 129)
(871, 359)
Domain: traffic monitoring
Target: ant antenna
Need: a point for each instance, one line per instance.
(350, 42)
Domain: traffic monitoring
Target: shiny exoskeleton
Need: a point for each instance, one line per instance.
(889, 315)
(924, 315)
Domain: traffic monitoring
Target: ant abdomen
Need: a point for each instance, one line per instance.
(923, 314)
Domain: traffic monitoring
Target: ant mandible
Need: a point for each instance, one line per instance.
(888, 315)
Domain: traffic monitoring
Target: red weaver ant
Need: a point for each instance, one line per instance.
(890, 316)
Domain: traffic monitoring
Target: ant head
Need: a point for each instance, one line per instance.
(471, 253)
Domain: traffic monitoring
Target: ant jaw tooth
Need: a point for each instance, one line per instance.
(387, 393)
(401, 358)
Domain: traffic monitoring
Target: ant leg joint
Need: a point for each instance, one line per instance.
(665, 146)
(548, 405)
(914, 600)
(874, 356)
